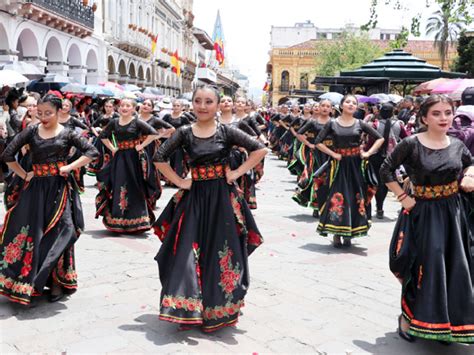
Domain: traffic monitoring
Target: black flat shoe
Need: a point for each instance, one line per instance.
(347, 242)
(336, 240)
(55, 298)
(445, 343)
(404, 335)
(316, 214)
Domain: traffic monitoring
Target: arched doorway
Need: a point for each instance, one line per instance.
(27, 46)
(92, 68)
(74, 60)
(148, 76)
(4, 42)
(123, 72)
(285, 81)
(132, 74)
(54, 57)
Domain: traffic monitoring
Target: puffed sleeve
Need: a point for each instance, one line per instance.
(108, 130)
(15, 145)
(466, 157)
(176, 140)
(158, 123)
(324, 133)
(241, 139)
(254, 125)
(399, 155)
(145, 129)
(370, 130)
(305, 127)
(185, 120)
(81, 144)
(242, 125)
(79, 124)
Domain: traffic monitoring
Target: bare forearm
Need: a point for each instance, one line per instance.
(395, 188)
(325, 149)
(376, 146)
(254, 158)
(108, 144)
(17, 169)
(149, 139)
(80, 162)
(169, 173)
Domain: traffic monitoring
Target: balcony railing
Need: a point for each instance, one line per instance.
(72, 10)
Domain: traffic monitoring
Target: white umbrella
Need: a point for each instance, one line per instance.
(58, 78)
(24, 68)
(395, 98)
(334, 97)
(11, 77)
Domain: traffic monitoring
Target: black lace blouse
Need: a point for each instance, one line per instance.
(312, 128)
(176, 122)
(204, 151)
(346, 137)
(51, 149)
(425, 166)
(135, 129)
(73, 123)
(158, 123)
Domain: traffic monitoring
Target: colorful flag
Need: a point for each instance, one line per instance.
(153, 44)
(266, 87)
(175, 67)
(218, 38)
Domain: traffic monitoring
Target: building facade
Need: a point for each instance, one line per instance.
(62, 37)
(286, 36)
(291, 69)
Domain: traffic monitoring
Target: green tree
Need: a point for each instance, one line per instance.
(460, 8)
(465, 61)
(348, 52)
(445, 25)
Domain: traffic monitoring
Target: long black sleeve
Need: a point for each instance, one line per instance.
(166, 149)
(145, 128)
(15, 145)
(83, 145)
(241, 139)
(108, 130)
(400, 154)
(324, 133)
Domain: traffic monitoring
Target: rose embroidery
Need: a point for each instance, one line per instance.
(230, 275)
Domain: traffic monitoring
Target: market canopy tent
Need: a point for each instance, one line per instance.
(394, 67)
(401, 66)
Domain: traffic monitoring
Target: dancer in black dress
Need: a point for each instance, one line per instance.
(430, 250)
(207, 229)
(164, 129)
(313, 190)
(344, 213)
(177, 119)
(297, 164)
(40, 229)
(98, 125)
(127, 185)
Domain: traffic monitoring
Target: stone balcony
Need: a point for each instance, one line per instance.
(69, 16)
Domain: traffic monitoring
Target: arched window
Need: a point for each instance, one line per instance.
(285, 81)
(304, 81)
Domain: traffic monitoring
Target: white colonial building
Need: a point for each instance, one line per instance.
(57, 36)
(286, 36)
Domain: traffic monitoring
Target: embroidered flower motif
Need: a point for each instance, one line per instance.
(15, 249)
(230, 275)
(229, 309)
(180, 302)
(123, 203)
(361, 202)
(254, 238)
(337, 207)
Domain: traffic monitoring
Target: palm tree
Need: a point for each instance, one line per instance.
(445, 25)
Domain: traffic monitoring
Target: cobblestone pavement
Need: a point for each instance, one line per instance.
(305, 296)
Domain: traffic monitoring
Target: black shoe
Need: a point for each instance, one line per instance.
(55, 298)
(402, 334)
(336, 240)
(379, 214)
(315, 213)
(347, 242)
(443, 342)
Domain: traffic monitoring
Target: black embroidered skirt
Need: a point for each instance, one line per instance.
(208, 233)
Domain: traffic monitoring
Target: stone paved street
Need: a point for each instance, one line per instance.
(305, 296)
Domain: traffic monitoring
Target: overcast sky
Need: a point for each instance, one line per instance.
(247, 24)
